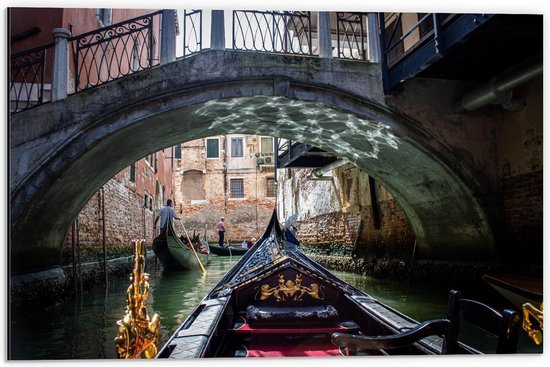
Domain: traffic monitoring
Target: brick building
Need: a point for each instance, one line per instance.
(227, 175)
(129, 203)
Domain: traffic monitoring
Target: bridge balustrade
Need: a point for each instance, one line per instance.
(137, 44)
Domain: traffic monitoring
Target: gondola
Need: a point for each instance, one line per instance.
(276, 302)
(175, 254)
(227, 251)
(517, 289)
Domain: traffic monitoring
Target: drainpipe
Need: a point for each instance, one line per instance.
(498, 90)
(318, 173)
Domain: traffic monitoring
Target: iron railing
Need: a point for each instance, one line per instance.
(287, 32)
(126, 47)
(351, 35)
(192, 32)
(115, 51)
(27, 71)
(426, 28)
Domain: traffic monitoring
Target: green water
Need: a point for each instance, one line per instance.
(84, 328)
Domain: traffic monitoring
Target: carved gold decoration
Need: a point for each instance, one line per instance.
(137, 334)
(531, 311)
(289, 290)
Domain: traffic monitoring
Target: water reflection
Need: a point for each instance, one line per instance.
(85, 328)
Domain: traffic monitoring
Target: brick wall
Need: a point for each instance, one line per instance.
(126, 217)
(202, 201)
(523, 213)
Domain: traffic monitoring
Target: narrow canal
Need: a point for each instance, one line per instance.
(84, 328)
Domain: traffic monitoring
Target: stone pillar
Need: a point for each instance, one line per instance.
(168, 37)
(325, 41)
(373, 37)
(60, 79)
(217, 34)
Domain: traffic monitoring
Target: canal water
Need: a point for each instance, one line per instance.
(85, 327)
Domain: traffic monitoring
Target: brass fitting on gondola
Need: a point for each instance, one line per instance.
(531, 311)
(137, 334)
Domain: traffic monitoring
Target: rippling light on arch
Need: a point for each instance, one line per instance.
(308, 122)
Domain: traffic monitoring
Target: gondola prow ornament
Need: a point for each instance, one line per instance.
(137, 334)
(531, 312)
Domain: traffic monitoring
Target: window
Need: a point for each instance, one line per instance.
(212, 148)
(266, 146)
(237, 147)
(271, 188)
(237, 188)
(177, 151)
(145, 200)
(133, 172)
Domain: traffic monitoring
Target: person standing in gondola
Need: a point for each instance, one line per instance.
(164, 213)
(221, 231)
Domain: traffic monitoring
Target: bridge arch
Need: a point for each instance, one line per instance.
(86, 139)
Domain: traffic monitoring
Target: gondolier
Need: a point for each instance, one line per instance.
(164, 213)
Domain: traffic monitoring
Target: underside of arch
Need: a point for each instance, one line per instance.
(447, 219)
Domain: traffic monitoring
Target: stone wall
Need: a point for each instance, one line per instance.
(520, 137)
(336, 216)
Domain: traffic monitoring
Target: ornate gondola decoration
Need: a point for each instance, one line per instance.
(289, 290)
(530, 311)
(137, 333)
(276, 302)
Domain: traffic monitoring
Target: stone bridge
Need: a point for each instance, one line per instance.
(64, 151)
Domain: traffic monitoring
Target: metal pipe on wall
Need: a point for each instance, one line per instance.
(498, 90)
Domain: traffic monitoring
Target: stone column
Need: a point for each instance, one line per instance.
(168, 37)
(325, 41)
(60, 79)
(217, 34)
(373, 37)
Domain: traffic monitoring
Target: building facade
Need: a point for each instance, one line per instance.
(230, 176)
(344, 211)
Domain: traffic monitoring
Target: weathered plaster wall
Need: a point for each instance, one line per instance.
(503, 148)
(521, 169)
(337, 213)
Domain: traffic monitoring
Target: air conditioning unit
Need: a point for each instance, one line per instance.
(267, 160)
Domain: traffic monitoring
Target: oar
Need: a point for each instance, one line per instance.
(229, 248)
(193, 248)
(206, 241)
